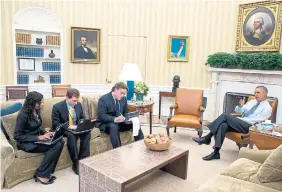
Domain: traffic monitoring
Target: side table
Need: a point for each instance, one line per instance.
(164, 94)
(264, 140)
(143, 108)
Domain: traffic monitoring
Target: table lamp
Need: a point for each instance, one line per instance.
(130, 73)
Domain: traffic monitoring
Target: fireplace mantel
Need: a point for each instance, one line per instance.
(252, 71)
(244, 81)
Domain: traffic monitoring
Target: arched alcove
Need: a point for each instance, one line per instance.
(38, 51)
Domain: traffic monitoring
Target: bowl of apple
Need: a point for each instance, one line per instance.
(158, 142)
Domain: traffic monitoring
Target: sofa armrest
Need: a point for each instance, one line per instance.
(254, 155)
(7, 155)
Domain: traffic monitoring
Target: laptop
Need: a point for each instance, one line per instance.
(84, 125)
(131, 115)
(58, 135)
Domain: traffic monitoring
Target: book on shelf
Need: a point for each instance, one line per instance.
(29, 52)
(53, 40)
(55, 79)
(51, 66)
(23, 79)
(23, 38)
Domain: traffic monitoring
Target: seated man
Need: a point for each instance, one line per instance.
(71, 110)
(253, 111)
(111, 110)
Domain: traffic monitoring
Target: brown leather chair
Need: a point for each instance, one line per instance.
(188, 110)
(16, 92)
(241, 139)
(59, 90)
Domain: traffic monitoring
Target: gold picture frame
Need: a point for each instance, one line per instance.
(178, 48)
(259, 27)
(85, 45)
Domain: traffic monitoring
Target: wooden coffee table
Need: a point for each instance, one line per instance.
(264, 140)
(113, 170)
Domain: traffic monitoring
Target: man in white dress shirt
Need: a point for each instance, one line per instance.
(253, 111)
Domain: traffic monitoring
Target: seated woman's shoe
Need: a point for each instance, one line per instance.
(50, 181)
(53, 177)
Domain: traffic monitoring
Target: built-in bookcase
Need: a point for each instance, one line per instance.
(38, 57)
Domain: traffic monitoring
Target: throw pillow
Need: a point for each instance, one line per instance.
(7, 111)
(271, 169)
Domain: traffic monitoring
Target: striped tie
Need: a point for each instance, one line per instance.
(251, 111)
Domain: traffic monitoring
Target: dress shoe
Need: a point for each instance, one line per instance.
(202, 140)
(50, 181)
(213, 155)
(75, 168)
(53, 177)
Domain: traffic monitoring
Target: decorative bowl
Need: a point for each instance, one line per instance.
(157, 142)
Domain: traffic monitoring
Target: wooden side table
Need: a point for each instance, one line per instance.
(164, 94)
(144, 108)
(264, 140)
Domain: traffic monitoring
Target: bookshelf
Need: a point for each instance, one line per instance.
(38, 57)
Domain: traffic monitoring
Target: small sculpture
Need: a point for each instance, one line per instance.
(39, 79)
(52, 54)
(39, 41)
(175, 80)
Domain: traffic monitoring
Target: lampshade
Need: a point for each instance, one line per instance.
(130, 72)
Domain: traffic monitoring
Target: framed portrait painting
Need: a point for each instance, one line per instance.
(178, 48)
(259, 27)
(85, 45)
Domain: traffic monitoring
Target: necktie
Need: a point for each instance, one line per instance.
(117, 108)
(251, 111)
(70, 116)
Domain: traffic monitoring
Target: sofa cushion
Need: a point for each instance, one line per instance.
(46, 113)
(271, 169)
(95, 133)
(90, 105)
(223, 183)
(246, 170)
(22, 154)
(242, 169)
(9, 123)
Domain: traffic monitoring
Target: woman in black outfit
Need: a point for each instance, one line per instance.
(28, 130)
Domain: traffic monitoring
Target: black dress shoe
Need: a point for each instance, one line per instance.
(75, 168)
(53, 177)
(213, 155)
(44, 183)
(202, 140)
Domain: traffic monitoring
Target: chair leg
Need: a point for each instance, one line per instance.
(241, 145)
(167, 130)
(200, 133)
(175, 129)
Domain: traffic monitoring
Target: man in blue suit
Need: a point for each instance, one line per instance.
(83, 52)
(111, 110)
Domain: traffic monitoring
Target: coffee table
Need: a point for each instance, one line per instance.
(264, 140)
(113, 170)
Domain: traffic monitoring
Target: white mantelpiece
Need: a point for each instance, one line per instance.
(244, 81)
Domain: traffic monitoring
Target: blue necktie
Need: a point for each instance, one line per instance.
(251, 111)
(117, 108)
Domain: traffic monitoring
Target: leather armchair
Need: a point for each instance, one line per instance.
(188, 110)
(241, 139)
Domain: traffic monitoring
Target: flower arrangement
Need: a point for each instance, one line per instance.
(141, 88)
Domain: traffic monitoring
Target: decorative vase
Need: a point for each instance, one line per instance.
(39, 41)
(52, 54)
(139, 97)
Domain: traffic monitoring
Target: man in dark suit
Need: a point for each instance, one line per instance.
(83, 52)
(71, 110)
(111, 110)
